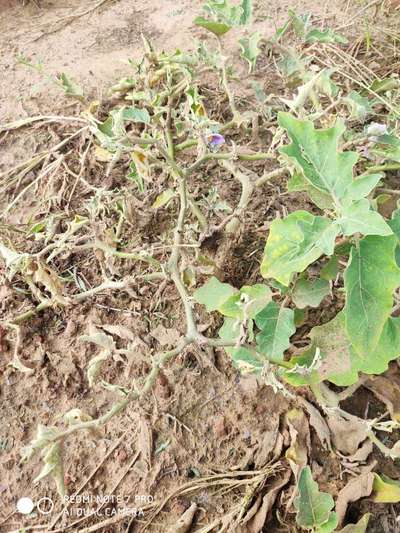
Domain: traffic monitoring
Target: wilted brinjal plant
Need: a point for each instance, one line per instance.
(160, 121)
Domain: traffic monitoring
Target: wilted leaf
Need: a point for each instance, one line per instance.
(313, 507)
(51, 456)
(277, 326)
(294, 243)
(359, 106)
(70, 87)
(324, 36)
(356, 488)
(250, 50)
(307, 293)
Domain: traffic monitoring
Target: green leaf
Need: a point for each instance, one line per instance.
(249, 301)
(213, 294)
(358, 217)
(135, 114)
(324, 36)
(386, 490)
(250, 50)
(363, 186)
(298, 183)
(369, 280)
(360, 527)
(247, 7)
(308, 293)
(277, 326)
(316, 155)
(217, 28)
(330, 525)
(294, 243)
(330, 270)
(163, 199)
(313, 507)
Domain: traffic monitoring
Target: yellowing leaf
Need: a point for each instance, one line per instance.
(102, 155)
(386, 490)
(163, 199)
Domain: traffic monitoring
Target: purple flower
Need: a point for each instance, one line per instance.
(215, 140)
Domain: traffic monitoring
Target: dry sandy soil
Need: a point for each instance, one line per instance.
(203, 419)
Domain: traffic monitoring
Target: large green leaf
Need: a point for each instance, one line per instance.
(313, 507)
(277, 326)
(337, 360)
(316, 154)
(294, 243)
(370, 279)
(358, 217)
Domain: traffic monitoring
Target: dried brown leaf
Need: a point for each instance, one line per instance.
(388, 392)
(257, 522)
(266, 445)
(318, 423)
(120, 331)
(347, 433)
(356, 488)
(145, 440)
(166, 336)
(185, 522)
(300, 442)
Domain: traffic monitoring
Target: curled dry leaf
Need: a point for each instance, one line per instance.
(255, 522)
(361, 454)
(300, 442)
(166, 336)
(120, 331)
(356, 488)
(388, 392)
(185, 522)
(318, 423)
(145, 440)
(347, 433)
(266, 446)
